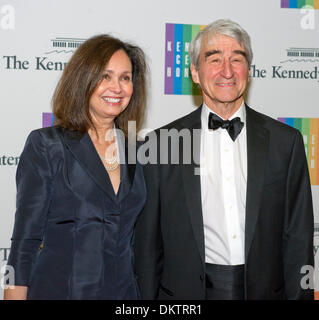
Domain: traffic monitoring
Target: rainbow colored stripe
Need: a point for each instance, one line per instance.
(298, 4)
(178, 79)
(309, 128)
(47, 119)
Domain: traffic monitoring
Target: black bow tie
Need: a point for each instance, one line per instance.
(233, 126)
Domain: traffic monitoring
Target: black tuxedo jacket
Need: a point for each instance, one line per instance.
(170, 248)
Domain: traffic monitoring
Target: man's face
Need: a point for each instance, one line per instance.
(223, 71)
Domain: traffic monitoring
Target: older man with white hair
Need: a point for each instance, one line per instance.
(243, 227)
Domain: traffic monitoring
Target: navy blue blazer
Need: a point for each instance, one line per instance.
(73, 236)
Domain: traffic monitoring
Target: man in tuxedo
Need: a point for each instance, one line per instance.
(238, 223)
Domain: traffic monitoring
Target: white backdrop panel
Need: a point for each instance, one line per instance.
(26, 93)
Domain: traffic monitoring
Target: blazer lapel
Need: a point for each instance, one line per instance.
(257, 150)
(130, 166)
(191, 179)
(84, 151)
(127, 169)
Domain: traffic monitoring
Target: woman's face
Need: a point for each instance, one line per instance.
(113, 93)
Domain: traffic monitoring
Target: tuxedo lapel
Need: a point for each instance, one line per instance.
(191, 182)
(85, 153)
(257, 153)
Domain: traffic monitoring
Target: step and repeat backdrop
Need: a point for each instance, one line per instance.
(37, 38)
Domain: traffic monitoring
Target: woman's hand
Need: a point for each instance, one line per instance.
(15, 293)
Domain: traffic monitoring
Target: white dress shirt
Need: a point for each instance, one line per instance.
(223, 172)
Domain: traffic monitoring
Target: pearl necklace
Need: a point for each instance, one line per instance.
(111, 164)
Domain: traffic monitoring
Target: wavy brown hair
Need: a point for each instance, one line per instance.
(82, 74)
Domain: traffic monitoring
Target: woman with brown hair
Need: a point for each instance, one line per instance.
(78, 196)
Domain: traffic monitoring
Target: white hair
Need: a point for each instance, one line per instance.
(224, 27)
